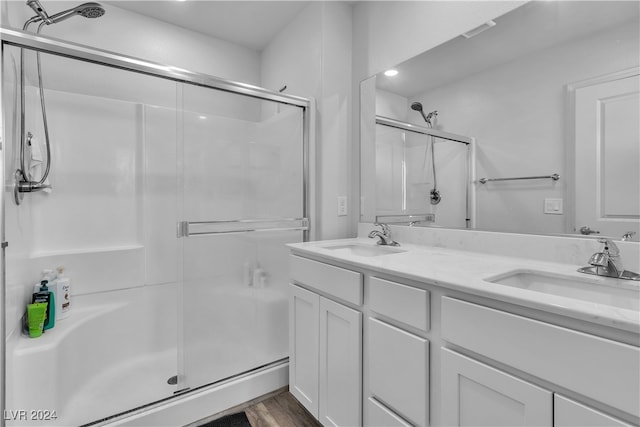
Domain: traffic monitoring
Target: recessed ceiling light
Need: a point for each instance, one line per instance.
(391, 73)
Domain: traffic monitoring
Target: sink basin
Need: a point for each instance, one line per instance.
(365, 250)
(616, 295)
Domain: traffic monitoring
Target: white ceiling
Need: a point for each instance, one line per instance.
(536, 25)
(252, 24)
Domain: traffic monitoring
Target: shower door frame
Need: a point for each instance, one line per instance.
(54, 46)
(446, 136)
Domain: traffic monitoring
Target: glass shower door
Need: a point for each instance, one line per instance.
(242, 171)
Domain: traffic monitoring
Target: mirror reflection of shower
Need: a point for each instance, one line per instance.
(24, 181)
(434, 194)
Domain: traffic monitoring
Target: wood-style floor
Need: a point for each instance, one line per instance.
(277, 409)
(281, 410)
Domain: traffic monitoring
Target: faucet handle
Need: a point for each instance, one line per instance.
(385, 228)
(609, 246)
(628, 235)
(599, 259)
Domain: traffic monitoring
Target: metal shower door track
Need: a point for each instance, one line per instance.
(386, 121)
(77, 51)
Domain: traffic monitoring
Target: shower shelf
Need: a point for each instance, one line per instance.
(554, 177)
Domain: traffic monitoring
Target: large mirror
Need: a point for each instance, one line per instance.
(528, 124)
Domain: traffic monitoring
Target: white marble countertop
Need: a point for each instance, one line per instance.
(465, 271)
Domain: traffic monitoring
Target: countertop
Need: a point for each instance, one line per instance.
(465, 271)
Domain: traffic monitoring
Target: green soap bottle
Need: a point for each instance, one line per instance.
(45, 295)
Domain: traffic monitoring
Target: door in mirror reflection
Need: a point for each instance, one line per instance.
(607, 135)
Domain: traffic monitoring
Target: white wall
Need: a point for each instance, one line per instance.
(516, 111)
(132, 34)
(312, 56)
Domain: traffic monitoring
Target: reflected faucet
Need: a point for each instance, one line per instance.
(608, 263)
(384, 235)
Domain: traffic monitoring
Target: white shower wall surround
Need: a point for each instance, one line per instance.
(92, 367)
(129, 159)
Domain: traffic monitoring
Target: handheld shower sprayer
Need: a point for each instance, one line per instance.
(86, 10)
(434, 194)
(416, 106)
(24, 182)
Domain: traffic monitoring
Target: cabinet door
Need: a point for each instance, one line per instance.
(340, 365)
(380, 416)
(474, 394)
(399, 370)
(567, 413)
(304, 311)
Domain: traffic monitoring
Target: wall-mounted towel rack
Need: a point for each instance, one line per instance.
(554, 177)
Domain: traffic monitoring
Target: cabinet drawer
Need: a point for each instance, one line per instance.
(400, 302)
(399, 371)
(601, 369)
(379, 416)
(336, 281)
(568, 413)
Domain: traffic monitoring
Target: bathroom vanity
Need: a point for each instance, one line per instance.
(424, 335)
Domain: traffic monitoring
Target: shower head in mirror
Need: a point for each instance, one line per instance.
(417, 106)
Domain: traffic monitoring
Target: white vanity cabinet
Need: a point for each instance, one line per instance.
(397, 359)
(568, 413)
(477, 394)
(325, 341)
(371, 348)
(563, 358)
(304, 344)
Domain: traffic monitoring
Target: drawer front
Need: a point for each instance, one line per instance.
(399, 371)
(601, 369)
(567, 413)
(336, 281)
(404, 303)
(380, 416)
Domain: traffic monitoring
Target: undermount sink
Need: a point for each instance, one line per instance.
(616, 295)
(365, 250)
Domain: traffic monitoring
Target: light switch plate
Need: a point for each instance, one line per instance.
(342, 205)
(553, 206)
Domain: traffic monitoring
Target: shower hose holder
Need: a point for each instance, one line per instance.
(21, 186)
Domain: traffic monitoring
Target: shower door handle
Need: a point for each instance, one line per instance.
(202, 228)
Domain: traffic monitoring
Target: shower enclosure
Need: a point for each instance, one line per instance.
(408, 159)
(172, 197)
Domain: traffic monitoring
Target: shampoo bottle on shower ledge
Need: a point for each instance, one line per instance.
(44, 295)
(63, 284)
(49, 276)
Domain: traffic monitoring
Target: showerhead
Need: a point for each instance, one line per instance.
(88, 10)
(417, 106)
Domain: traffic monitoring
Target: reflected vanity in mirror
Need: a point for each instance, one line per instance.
(527, 124)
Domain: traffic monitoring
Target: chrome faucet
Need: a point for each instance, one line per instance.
(384, 235)
(608, 263)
